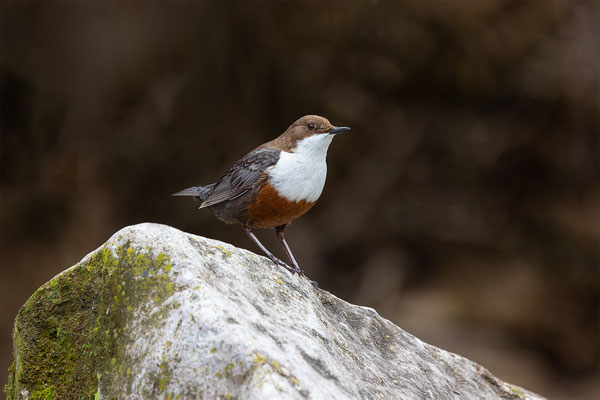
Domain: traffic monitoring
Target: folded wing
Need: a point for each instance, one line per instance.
(243, 176)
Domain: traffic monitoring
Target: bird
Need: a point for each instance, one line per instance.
(274, 184)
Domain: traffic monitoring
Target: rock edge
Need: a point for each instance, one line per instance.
(159, 313)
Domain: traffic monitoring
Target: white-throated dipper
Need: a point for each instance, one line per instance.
(273, 184)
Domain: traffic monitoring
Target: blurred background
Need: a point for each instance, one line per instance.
(464, 205)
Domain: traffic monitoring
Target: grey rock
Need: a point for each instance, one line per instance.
(159, 313)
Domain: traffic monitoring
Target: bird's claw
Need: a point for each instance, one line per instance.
(284, 265)
(295, 269)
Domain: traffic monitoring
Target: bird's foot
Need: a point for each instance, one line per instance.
(294, 269)
(314, 283)
(301, 273)
(284, 265)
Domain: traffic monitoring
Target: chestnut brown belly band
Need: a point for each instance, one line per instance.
(269, 209)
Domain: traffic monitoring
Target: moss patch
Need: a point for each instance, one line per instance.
(71, 334)
(517, 391)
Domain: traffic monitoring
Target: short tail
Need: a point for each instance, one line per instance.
(199, 192)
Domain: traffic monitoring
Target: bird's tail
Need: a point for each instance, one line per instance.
(199, 192)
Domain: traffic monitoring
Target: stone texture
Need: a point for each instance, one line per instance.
(159, 313)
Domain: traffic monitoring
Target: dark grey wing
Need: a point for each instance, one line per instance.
(242, 176)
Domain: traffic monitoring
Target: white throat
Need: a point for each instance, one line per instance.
(301, 175)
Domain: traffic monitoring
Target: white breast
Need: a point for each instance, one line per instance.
(301, 175)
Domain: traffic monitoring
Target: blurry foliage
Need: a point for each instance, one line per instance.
(464, 204)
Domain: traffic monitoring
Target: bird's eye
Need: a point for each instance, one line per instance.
(311, 126)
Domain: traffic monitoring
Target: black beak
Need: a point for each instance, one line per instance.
(338, 129)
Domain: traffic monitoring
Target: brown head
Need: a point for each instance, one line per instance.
(303, 128)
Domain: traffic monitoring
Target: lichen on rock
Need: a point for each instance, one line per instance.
(159, 313)
(71, 334)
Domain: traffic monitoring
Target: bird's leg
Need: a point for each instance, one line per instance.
(270, 255)
(281, 236)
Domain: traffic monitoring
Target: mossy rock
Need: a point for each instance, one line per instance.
(159, 313)
(70, 335)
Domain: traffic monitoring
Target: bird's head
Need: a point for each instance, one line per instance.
(311, 130)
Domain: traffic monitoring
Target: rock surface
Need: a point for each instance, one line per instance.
(159, 313)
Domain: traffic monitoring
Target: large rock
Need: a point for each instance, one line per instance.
(159, 313)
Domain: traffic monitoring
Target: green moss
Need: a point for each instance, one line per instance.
(275, 365)
(228, 369)
(259, 359)
(226, 252)
(46, 393)
(518, 392)
(70, 336)
(164, 377)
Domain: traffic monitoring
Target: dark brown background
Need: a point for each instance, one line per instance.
(463, 206)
